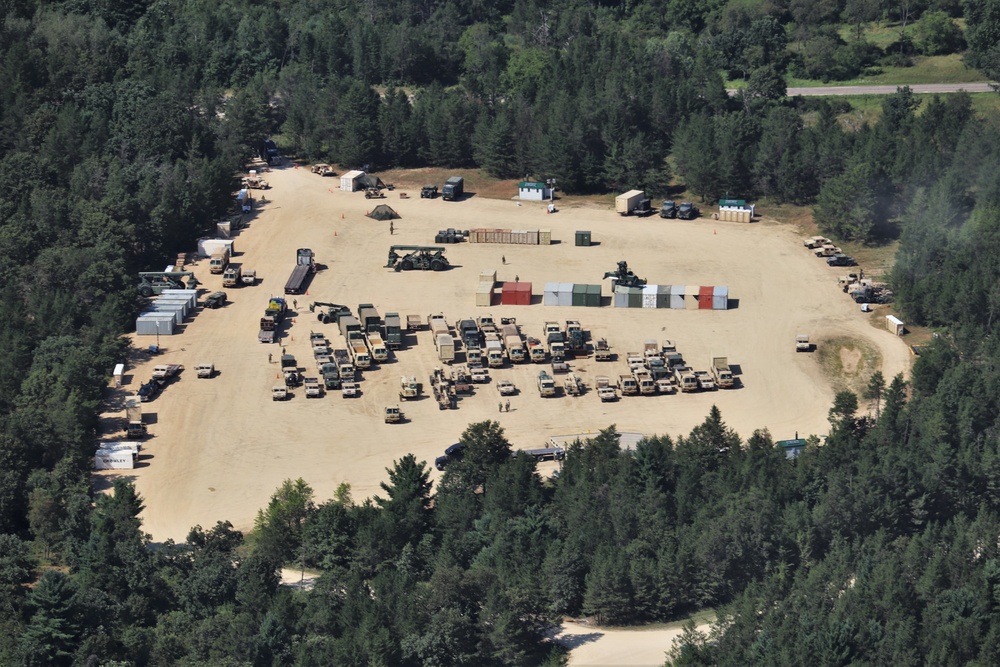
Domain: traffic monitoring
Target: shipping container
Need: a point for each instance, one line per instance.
(691, 297)
(550, 294)
(349, 181)
(544, 237)
(208, 247)
(190, 294)
(579, 295)
(635, 297)
(583, 238)
(705, 295)
(620, 298)
(532, 237)
(152, 324)
(677, 296)
(186, 303)
(488, 277)
(663, 296)
(484, 295)
(720, 298)
(176, 311)
(565, 294)
(508, 295)
(649, 296)
(593, 296)
(523, 292)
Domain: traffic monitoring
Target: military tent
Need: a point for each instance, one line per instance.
(383, 212)
(368, 181)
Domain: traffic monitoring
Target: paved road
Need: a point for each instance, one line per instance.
(889, 90)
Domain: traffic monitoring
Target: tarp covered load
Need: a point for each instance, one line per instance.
(383, 212)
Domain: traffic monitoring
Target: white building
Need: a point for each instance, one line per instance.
(533, 190)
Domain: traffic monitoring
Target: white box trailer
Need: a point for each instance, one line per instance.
(208, 247)
(108, 460)
(627, 202)
(134, 447)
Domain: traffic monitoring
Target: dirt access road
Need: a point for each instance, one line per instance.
(917, 88)
(220, 447)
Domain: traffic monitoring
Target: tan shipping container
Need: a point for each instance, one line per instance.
(544, 237)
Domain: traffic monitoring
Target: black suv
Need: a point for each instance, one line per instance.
(428, 192)
(453, 453)
(840, 260)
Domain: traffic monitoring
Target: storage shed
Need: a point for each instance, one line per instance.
(565, 294)
(550, 294)
(677, 296)
(620, 298)
(484, 294)
(533, 190)
(579, 295)
(663, 296)
(593, 296)
(895, 325)
(349, 182)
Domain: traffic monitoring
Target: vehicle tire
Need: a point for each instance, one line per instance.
(437, 265)
(406, 265)
(146, 290)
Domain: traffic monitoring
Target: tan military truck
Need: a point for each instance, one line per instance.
(204, 370)
(279, 392)
(233, 274)
(722, 373)
(409, 388)
(628, 385)
(219, 260)
(802, 343)
(393, 415)
(605, 391)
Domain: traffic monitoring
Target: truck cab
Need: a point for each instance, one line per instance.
(218, 262)
(428, 192)
(546, 385)
(669, 209)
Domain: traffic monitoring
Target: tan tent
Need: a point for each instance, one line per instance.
(383, 212)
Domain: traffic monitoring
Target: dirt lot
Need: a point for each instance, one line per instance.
(595, 646)
(220, 447)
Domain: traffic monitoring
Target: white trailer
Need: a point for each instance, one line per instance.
(626, 203)
(109, 460)
(209, 247)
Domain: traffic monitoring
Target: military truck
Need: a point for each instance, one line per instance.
(688, 211)
(627, 385)
(215, 300)
(546, 385)
(409, 388)
(344, 364)
(423, 258)
(705, 381)
(163, 373)
(219, 260)
(802, 343)
(154, 282)
(377, 346)
(350, 390)
(204, 370)
(602, 351)
(669, 209)
(329, 312)
(393, 331)
(722, 373)
(576, 339)
(453, 188)
(248, 277)
(279, 392)
(429, 192)
(644, 381)
(506, 388)
(134, 426)
(626, 204)
(573, 385)
(494, 351)
(331, 375)
(536, 350)
(605, 391)
(554, 341)
(393, 415)
(816, 242)
(232, 275)
(686, 379)
(512, 343)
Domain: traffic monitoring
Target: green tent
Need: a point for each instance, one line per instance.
(368, 181)
(383, 212)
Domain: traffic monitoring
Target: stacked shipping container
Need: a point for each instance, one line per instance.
(513, 236)
(677, 297)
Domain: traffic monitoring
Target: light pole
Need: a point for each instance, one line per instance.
(551, 182)
(157, 336)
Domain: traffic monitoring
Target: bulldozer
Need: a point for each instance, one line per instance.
(329, 312)
(625, 277)
(417, 257)
(154, 282)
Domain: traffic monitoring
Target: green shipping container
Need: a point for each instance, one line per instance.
(594, 296)
(579, 295)
(583, 238)
(635, 297)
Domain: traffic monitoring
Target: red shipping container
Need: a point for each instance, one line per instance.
(508, 294)
(705, 297)
(523, 294)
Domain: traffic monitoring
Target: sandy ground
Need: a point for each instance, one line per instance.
(593, 646)
(220, 447)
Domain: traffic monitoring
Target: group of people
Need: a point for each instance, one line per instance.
(502, 406)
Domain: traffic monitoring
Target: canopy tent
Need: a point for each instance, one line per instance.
(383, 212)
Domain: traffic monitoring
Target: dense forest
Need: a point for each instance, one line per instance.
(122, 127)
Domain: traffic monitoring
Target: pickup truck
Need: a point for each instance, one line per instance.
(312, 387)
(349, 390)
(279, 392)
(163, 372)
(506, 388)
(479, 375)
(605, 391)
(705, 381)
(249, 277)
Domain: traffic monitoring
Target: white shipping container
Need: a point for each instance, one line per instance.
(190, 294)
(349, 181)
(677, 296)
(565, 294)
(550, 295)
(134, 447)
(152, 324)
(621, 297)
(648, 300)
(208, 247)
(175, 301)
(177, 311)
